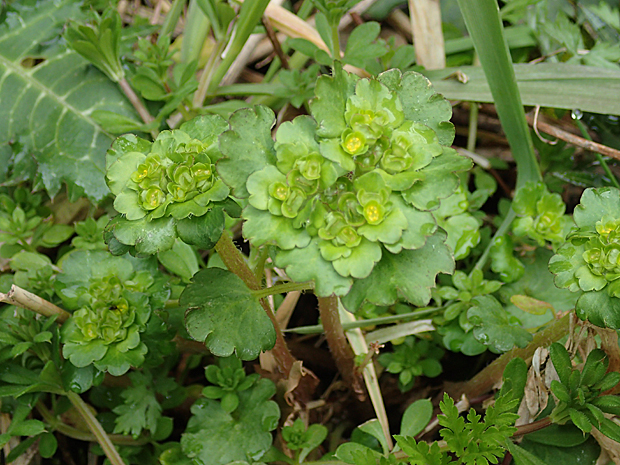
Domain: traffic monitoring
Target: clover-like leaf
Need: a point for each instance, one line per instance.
(421, 103)
(216, 437)
(247, 147)
(493, 326)
(409, 275)
(223, 312)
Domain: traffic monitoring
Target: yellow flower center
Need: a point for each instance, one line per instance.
(354, 144)
(372, 213)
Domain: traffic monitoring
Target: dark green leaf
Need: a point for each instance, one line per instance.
(493, 326)
(393, 279)
(222, 312)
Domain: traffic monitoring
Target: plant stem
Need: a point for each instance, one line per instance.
(137, 104)
(500, 231)
(235, 263)
(81, 435)
(338, 344)
(102, 437)
(318, 329)
(336, 41)
(531, 427)
(485, 380)
(282, 289)
(24, 299)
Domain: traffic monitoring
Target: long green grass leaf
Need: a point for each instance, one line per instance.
(485, 28)
(552, 85)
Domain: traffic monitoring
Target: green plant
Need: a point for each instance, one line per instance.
(579, 393)
(149, 277)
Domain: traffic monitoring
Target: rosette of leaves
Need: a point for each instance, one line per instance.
(579, 392)
(167, 189)
(589, 261)
(414, 357)
(112, 300)
(228, 380)
(540, 214)
(346, 194)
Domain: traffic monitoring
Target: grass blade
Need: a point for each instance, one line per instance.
(485, 28)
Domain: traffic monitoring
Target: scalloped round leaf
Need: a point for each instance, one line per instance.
(223, 312)
(420, 225)
(119, 172)
(361, 261)
(463, 234)
(565, 263)
(258, 186)
(409, 275)
(440, 180)
(421, 103)
(302, 131)
(207, 129)
(261, 227)
(599, 309)
(216, 437)
(307, 264)
(330, 102)
(202, 231)
(118, 363)
(82, 355)
(492, 325)
(595, 204)
(148, 237)
(125, 144)
(78, 267)
(247, 147)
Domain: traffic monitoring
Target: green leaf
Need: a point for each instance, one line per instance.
(216, 437)
(421, 103)
(439, 182)
(202, 231)
(596, 204)
(261, 227)
(148, 237)
(580, 420)
(561, 362)
(140, 408)
(360, 47)
(599, 309)
(47, 445)
(493, 326)
(307, 264)
(53, 114)
(416, 417)
(222, 312)
(393, 279)
(329, 106)
(522, 456)
(247, 147)
(27, 428)
(180, 260)
(486, 30)
(558, 435)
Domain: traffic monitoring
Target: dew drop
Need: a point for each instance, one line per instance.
(576, 113)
